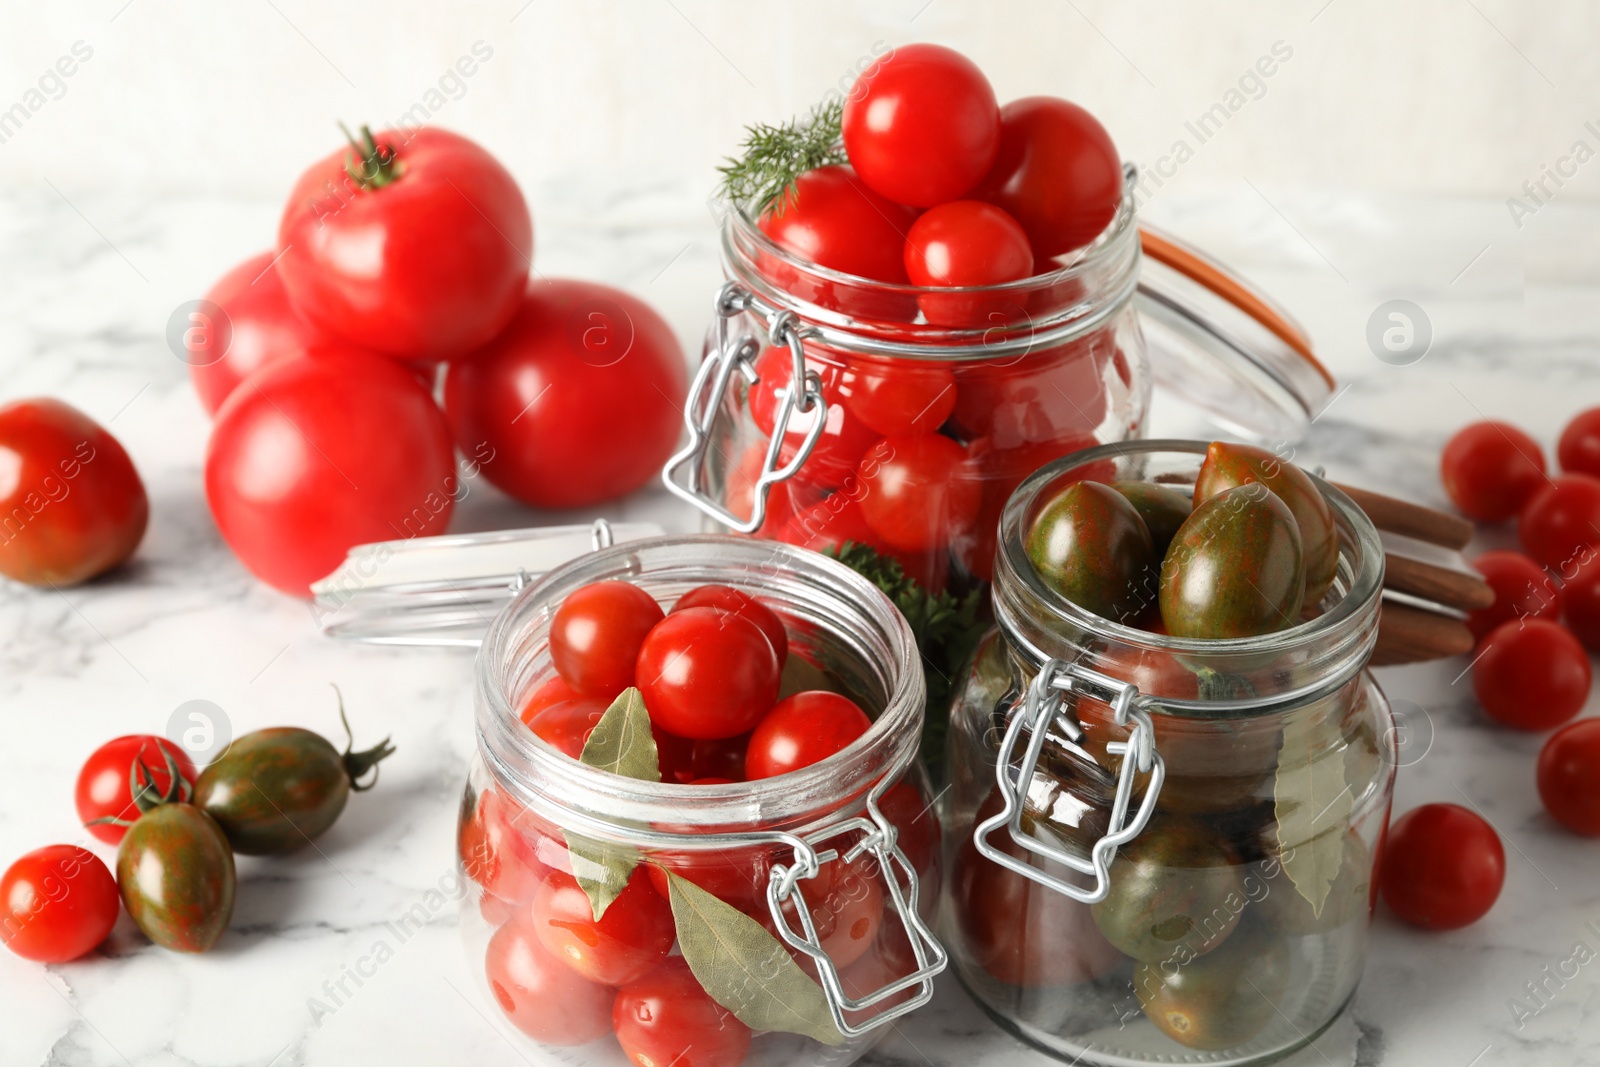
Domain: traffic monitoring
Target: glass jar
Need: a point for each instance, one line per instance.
(1162, 849)
(834, 408)
(800, 903)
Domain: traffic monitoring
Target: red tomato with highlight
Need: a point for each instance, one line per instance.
(1579, 447)
(1560, 525)
(897, 397)
(1522, 590)
(596, 635)
(57, 903)
(427, 261)
(921, 125)
(102, 789)
(706, 674)
(1490, 469)
(1531, 674)
(540, 994)
(258, 327)
(667, 1019)
(915, 494)
(1442, 867)
(735, 602)
(1569, 777)
(844, 438)
(578, 401)
(833, 220)
(631, 938)
(803, 729)
(1582, 597)
(968, 243)
(838, 519)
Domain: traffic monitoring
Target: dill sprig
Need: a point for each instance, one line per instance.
(775, 157)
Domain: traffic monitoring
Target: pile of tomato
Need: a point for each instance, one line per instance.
(403, 260)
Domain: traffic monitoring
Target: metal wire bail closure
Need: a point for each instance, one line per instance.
(785, 883)
(705, 399)
(1039, 709)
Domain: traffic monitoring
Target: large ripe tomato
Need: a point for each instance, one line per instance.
(803, 729)
(1560, 525)
(706, 674)
(1521, 587)
(844, 437)
(56, 903)
(541, 995)
(915, 495)
(310, 457)
(921, 125)
(666, 1019)
(1569, 777)
(1531, 674)
(260, 328)
(596, 635)
(1442, 867)
(580, 400)
(835, 221)
(1579, 447)
(71, 501)
(1490, 469)
(1056, 172)
(425, 257)
(630, 939)
(102, 790)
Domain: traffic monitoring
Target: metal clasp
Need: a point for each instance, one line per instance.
(710, 385)
(1041, 708)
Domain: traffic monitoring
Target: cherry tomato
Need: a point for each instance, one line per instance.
(496, 850)
(967, 242)
(1490, 469)
(541, 995)
(832, 219)
(734, 876)
(566, 726)
(846, 905)
(551, 692)
(1582, 596)
(916, 493)
(706, 674)
(1442, 867)
(910, 810)
(310, 457)
(898, 397)
(1579, 447)
(844, 439)
(578, 401)
(721, 758)
(1056, 173)
(727, 598)
(1531, 674)
(632, 936)
(257, 328)
(102, 790)
(1560, 525)
(596, 635)
(838, 519)
(425, 257)
(1569, 777)
(738, 494)
(56, 903)
(803, 729)
(72, 502)
(1057, 394)
(666, 1019)
(1522, 590)
(921, 125)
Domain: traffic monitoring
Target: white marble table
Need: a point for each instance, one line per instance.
(86, 287)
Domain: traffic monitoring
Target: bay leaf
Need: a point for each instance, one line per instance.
(746, 969)
(621, 743)
(1312, 803)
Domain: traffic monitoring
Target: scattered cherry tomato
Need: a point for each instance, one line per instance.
(803, 729)
(102, 790)
(567, 726)
(1579, 447)
(56, 903)
(1057, 173)
(578, 401)
(921, 125)
(914, 495)
(1532, 674)
(311, 457)
(898, 398)
(967, 242)
(666, 1019)
(1490, 469)
(1582, 598)
(832, 219)
(1442, 867)
(1569, 777)
(727, 598)
(258, 328)
(72, 502)
(1521, 587)
(541, 995)
(844, 438)
(596, 635)
(706, 674)
(1560, 525)
(425, 256)
(631, 938)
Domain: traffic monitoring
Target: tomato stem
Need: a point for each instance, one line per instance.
(357, 764)
(378, 165)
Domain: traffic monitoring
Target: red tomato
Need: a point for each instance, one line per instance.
(1059, 394)
(425, 260)
(910, 810)
(259, 328)
(71, 501)
(738, 877)
(722, 758)
(631, 938)
(844, 439)
(803, 729)
(898, 397)
(839, 519)
(666, 1019)
(705, 674)
(1442, 867)
(738, 494)
(1532, 674)
(57, 903)
(102, 790)
(1522, 590)
(496, 848)
(968, 243)
(578, 401)
(596, 635)
(551, 692)
(541, 995)
(916, 492)
(1569, 777)
(835, 221)
(1582, 597)
(311, 457)
(846, 905)
(567, 726)
(921, 125)
(728, 599)
(1490, 469)
(1579, 447)
(1560, 525)
(1057, 173)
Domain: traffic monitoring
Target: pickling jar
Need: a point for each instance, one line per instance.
(800, 903)
(833, 408)
(1162, 850)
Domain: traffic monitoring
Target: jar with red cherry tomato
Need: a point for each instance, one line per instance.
(779, 920)
(1163, 849)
